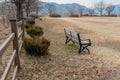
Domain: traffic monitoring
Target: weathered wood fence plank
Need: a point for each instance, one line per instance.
(5, 74)
(16, 38)
(6, 43)
(15, 72)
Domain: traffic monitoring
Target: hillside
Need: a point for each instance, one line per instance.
(63, 9)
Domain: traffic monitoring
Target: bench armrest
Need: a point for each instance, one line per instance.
(87, 40)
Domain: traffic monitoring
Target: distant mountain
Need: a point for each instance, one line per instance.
(61, 9)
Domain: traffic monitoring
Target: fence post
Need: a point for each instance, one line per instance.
(15, 40)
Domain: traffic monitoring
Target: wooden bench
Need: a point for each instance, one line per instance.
(75, 38)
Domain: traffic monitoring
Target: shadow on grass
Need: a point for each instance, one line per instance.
(73, 48)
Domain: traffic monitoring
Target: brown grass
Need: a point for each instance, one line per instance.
(64, 63)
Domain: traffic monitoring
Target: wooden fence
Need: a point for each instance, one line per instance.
(17, 38)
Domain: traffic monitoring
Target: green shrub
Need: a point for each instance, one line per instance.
(28, 25)
(32, 22)
(35, 31)
(34, 15)
(37, 47)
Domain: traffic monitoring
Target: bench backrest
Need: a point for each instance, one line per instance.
(74, 36)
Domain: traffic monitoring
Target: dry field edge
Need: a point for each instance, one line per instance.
(64, 63)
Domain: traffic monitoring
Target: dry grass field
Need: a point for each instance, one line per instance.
(63, 62)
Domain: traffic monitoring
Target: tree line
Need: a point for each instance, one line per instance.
(99, 7)
(19, 8)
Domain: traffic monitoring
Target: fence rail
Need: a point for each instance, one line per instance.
(6, 43)
(14, 37)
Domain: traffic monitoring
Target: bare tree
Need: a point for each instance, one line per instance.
(31, 6)
(91, 11)
(27, 6)
(21, 5)
(119, 11)
(80, 10)
(50, 7)
(110, 9)
(100, 6)
(10, 12)
(7, 11)
(37, 7)
(71, 9)
(18, 4)
(2, 12)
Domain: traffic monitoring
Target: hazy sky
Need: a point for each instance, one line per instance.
(87, 3)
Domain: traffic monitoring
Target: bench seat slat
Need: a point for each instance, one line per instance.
(75, 36)
(85, 42)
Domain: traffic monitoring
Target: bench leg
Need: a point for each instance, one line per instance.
(66, 40)
(79, 51)
(88, 50)
(82, 48)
